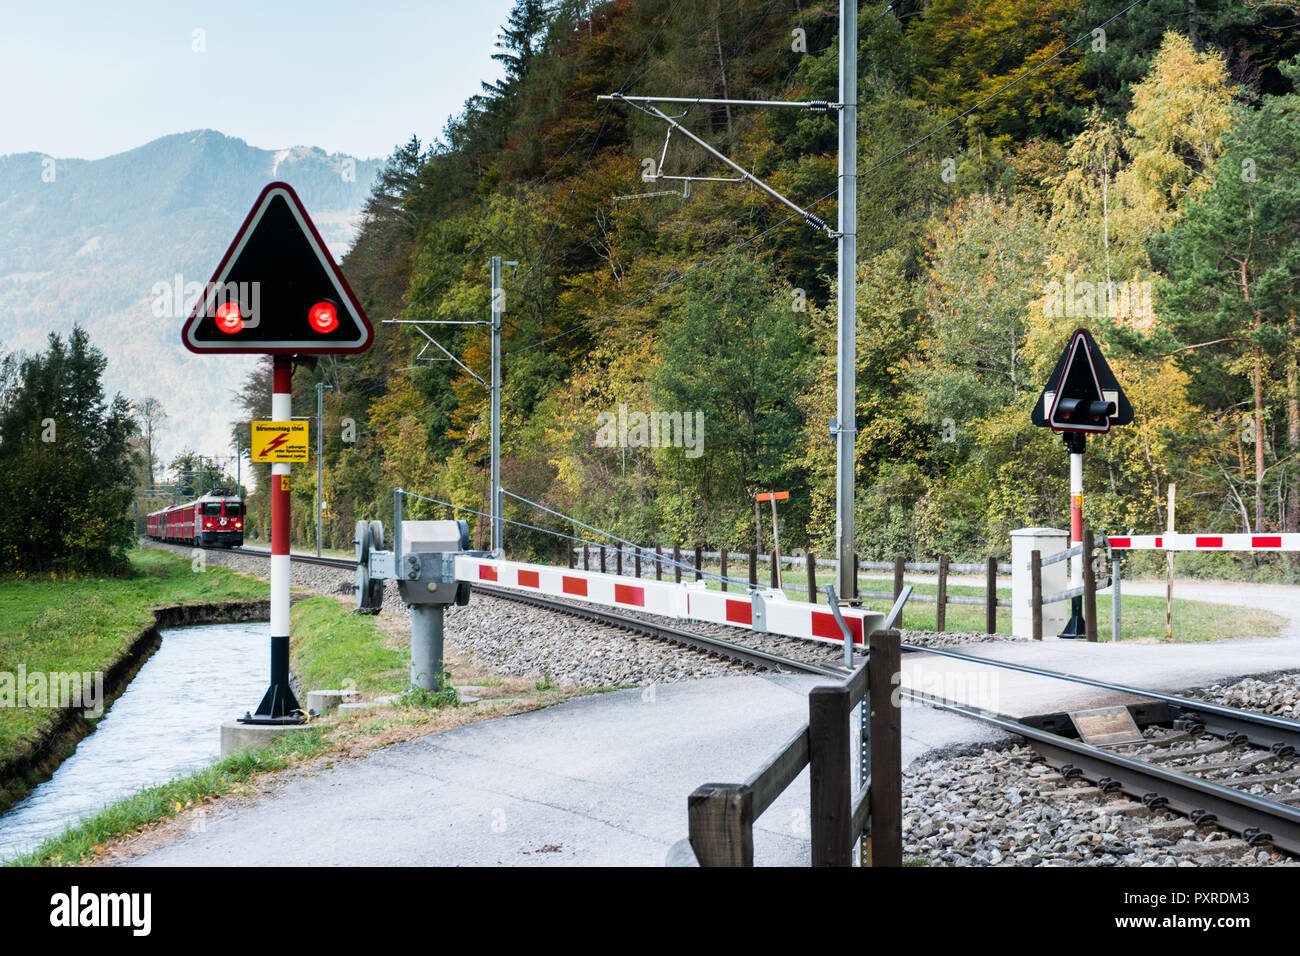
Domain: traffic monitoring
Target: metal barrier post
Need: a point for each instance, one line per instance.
(1115, 561)
(991, 596)
(941, 608)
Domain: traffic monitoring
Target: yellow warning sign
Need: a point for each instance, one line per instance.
(279, 441)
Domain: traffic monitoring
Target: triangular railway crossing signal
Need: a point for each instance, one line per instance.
(1082, 394)
(277, 290)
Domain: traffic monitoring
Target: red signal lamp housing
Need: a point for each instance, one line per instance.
(228, 318)
(323, 317)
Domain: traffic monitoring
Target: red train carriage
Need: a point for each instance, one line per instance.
(214, 521)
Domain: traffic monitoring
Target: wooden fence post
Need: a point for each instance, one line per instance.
(941, 605)
(586, 557)
(831, 799)
(753, 568)
(699, 561)
(773, 571)
(618, 560)
(720, 817)
(722, 566)
(886, 749)
(1089, 586)
(659, 562)
(991, 596)
(812, 576)
(1036, 591)
(637, 558)
(677, 562)
(572, 556)
(602, 559)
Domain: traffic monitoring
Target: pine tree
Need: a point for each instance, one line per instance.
(518, 42)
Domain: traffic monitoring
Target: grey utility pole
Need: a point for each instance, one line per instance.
(498, 295)
(846, 411)
(320, 406)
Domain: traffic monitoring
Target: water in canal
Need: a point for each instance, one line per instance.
(166, 724)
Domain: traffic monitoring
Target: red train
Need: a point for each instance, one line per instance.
(214, 521)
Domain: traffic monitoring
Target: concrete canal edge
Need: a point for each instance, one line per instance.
(42, 756)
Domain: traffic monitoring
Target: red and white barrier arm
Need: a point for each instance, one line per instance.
(1206, 542)
(687, 602)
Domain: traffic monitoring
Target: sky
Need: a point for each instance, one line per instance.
(89, 79)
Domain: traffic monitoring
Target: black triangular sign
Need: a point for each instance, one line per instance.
(277, 290)
(1080, 385)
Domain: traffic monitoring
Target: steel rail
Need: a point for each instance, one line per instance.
(1263, 730)
(1256, 819)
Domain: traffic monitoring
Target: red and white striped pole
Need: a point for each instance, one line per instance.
(1075, 443)
(279, 704)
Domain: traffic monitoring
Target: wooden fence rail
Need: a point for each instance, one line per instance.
(721, 815)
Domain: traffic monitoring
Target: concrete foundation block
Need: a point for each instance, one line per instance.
(366, 706)
(236, 736)
(324, 701)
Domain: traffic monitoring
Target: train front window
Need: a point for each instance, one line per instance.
(234, 509)
(212, 510)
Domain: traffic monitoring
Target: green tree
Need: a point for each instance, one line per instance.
(733, 353)
(65, 461)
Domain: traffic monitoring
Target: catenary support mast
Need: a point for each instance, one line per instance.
(846, 417)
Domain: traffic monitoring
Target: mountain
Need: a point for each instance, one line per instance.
(112, 243)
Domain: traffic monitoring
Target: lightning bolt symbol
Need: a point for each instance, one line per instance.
(276, 442)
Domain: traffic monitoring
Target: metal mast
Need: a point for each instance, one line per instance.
(495, 387)
(846, 417)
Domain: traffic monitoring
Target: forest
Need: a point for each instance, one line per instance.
(1026, 167)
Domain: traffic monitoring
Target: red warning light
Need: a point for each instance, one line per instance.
(323, 317)
(228, 317)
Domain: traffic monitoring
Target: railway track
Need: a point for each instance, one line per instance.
(1233, 768)
(636, 625)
